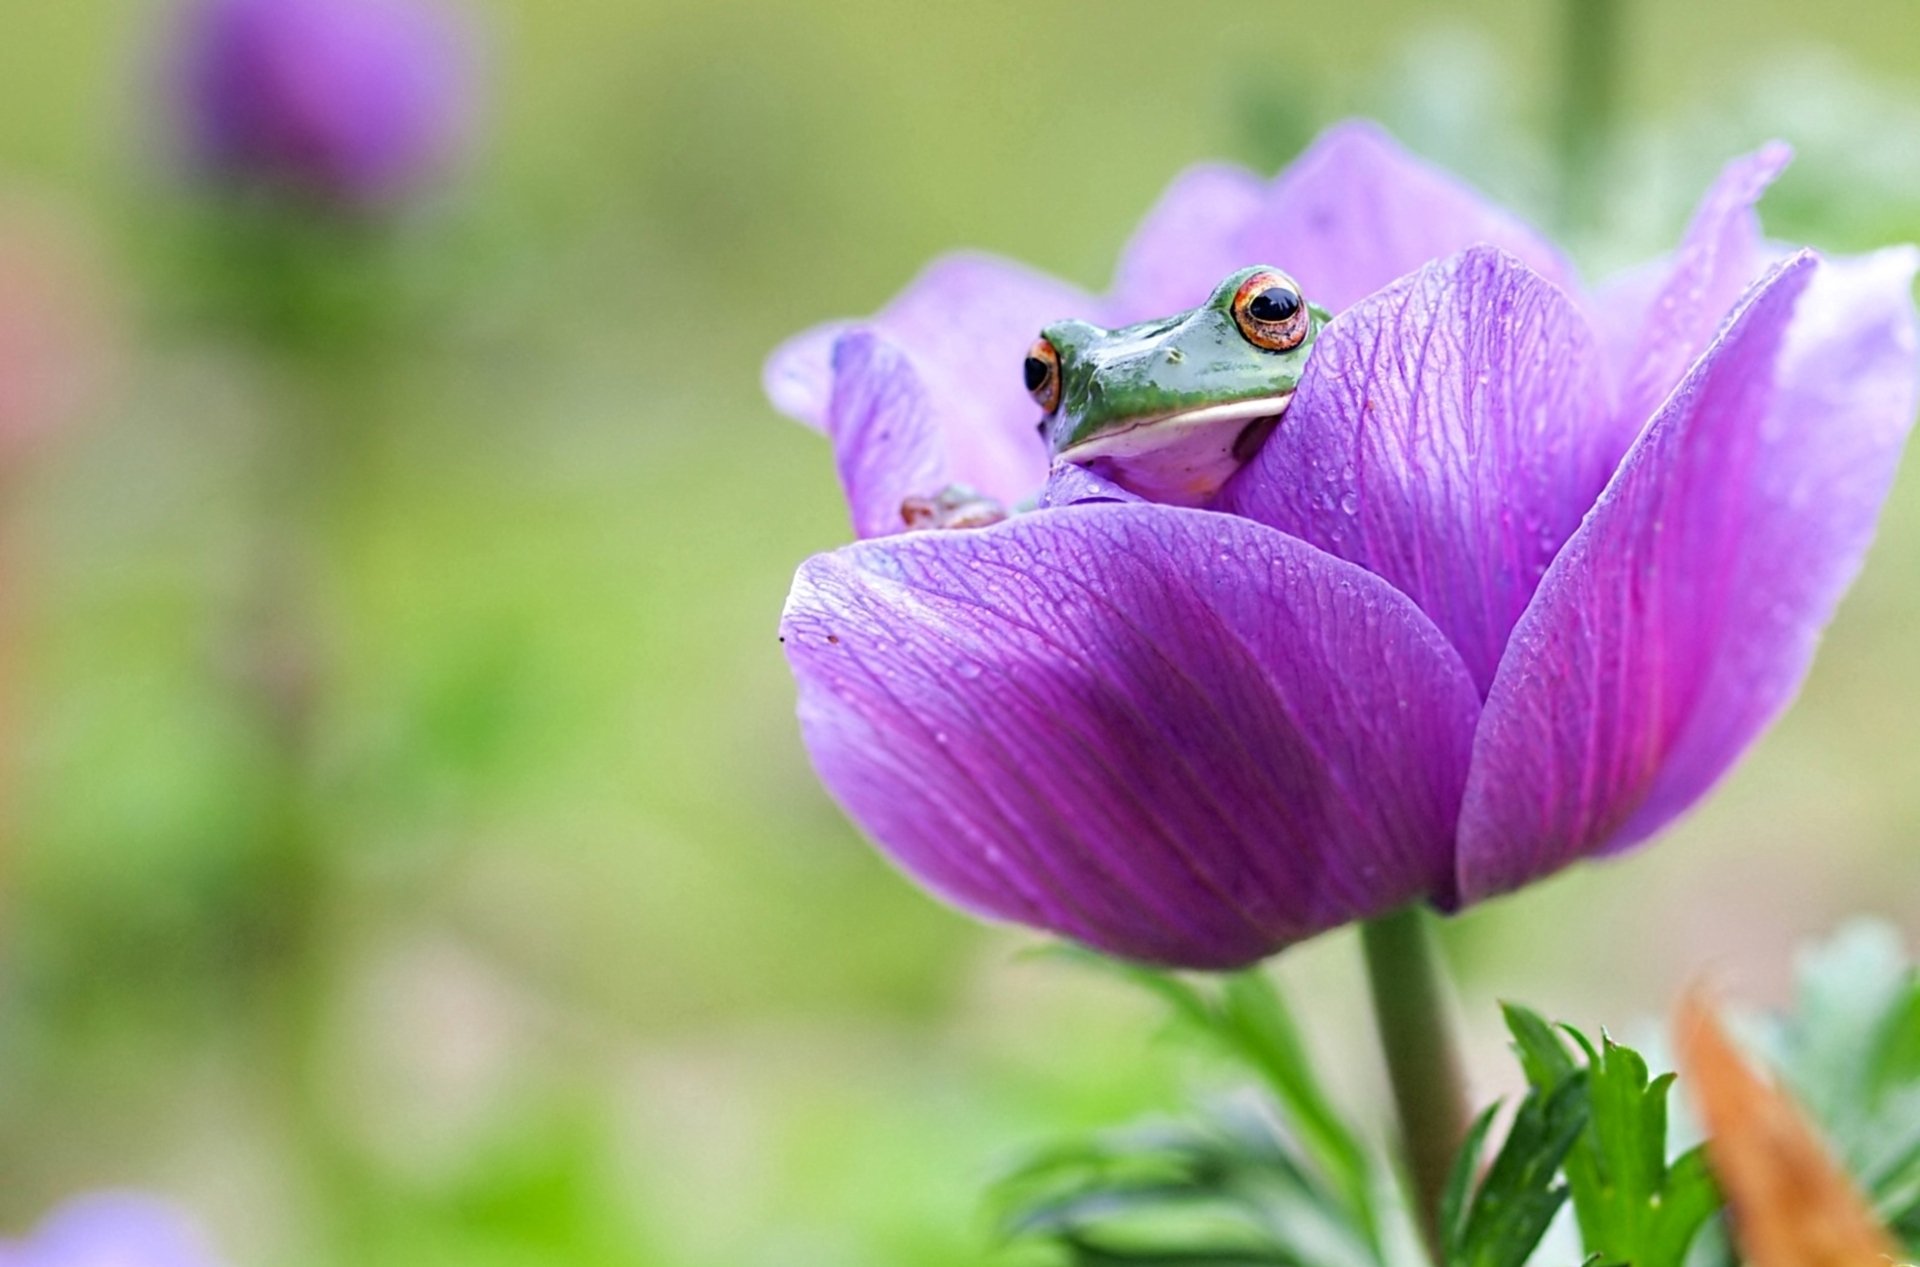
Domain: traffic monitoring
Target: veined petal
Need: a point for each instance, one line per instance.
(1446, 437)
(1173, 735)
(798, 375)
(1720, 256)
(964, 324)
(1357, 211)
(1187, 243)
(1681, 618)
(885, 444)
(1070, 484)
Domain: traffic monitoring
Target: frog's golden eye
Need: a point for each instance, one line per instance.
(1271, 313)
(1043, 374)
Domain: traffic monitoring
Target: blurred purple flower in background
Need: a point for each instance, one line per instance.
(1523, 571)
(351, 102)
(111, 1229)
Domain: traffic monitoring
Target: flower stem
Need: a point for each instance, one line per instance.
(321, 369)
(1589, 95)
(1411, 1005)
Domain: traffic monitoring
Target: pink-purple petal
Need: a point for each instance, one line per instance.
(111, 1229)
(885, 444)
(1072, 485)
(1447, 436)
(1357, 211)
(964, 324)
(1173, 735)
(1720, 256)
(1681, 618)
(1187, 243)
(798, 375)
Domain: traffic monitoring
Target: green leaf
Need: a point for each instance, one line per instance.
(1631, 1204)
(1595, 1117)
(1542, 1055)
(1521, 1192)
(1222, 1190)
(1280, 1181)
(1253, 1021)
(1244, 1018)
(1456, 1199)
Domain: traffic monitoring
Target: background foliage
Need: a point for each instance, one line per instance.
(596, 975)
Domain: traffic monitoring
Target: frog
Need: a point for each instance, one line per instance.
(1169, 409)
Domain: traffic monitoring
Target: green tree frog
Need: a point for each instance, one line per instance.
(1170, 408)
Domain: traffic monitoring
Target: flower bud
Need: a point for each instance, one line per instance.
(348, 103)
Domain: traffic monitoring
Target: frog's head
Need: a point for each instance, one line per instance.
(1171, 408)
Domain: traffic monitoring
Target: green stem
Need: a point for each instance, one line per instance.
(1590, 81)
(323, 377)
(1412, 1007)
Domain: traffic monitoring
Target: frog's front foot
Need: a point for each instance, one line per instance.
(952, 507)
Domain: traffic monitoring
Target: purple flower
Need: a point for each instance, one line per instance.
(349, 102)
(111, 1229)
(1523, 571)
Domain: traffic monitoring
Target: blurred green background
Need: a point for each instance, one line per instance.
(588, 969)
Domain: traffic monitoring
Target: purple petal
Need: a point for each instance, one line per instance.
(964, 325)
(1682, 616)
(111, 1229)
(1618, 310)
(1446, 437)
(798, 377)
(1720, 256)
(1072, 485)
(1188, 242)
(884, 441)
(1356, 211)
(1174, 735)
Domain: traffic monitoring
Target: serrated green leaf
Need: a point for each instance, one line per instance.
(1690, 1198)
(1630, 1204)
(1542, 1055)
(1521, 1191)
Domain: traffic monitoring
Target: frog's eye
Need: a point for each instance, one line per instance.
(1270, 312)
(1043, 374)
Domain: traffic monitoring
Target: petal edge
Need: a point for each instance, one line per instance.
(1680, 619)
(1174, 735)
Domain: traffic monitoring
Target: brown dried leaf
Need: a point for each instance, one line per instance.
(1789, 1203)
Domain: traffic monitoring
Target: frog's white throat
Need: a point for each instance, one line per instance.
(1182, 459)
